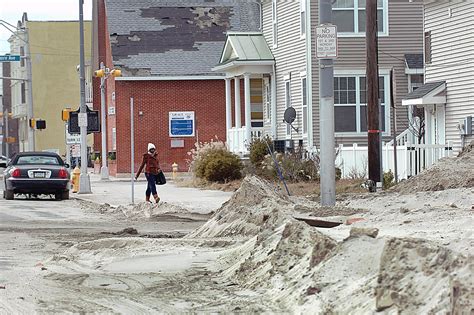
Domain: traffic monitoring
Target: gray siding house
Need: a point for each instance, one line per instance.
(288, 30)
(447, 98)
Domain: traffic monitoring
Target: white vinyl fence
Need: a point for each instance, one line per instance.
(411, 158)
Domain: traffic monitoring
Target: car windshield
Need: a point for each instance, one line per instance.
(37, 159)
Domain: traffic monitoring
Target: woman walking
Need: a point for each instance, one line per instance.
(150, 160)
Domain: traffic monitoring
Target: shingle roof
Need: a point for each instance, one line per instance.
(414, 61)
(424, 90)
(174, 37)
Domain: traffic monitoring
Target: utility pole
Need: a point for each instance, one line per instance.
(104, 171)
(326, 105)
(29, 95)
(372, 73)
(84, 180)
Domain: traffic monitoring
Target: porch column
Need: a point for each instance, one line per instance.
(273, 104)
(248, 109)
(238, 115)
(228, 108)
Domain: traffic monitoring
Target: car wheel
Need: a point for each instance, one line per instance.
(58, 196)
(65, 195)
(8, 194)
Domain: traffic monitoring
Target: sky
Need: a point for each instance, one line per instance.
(38, 10)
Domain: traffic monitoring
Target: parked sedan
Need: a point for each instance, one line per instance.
(3, 161)
(37, 173)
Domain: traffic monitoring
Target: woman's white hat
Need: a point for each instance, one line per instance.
(151, 146)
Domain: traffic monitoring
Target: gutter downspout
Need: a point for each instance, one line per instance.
(274, 106)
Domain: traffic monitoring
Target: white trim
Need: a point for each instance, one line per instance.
(357, 74)
(429, 99)
(414, 71)
(302, 12)
(171, 78)
(240, 63)
(309, 78)
(287, 77)
(355, 9)
(303, 74)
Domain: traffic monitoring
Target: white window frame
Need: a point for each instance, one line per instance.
(274, 24)
(356, 9)
(303, 19)
(304, 124)
(361, 73)
(287, 102)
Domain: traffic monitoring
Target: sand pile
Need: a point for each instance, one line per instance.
(303, 270)
(150, 211)
(455, 172)
(419, 277)
(254, 207)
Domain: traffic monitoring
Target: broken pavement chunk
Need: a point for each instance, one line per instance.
(357, 231)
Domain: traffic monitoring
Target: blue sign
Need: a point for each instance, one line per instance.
(7, 58)
(181, 124)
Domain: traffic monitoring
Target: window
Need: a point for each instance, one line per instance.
(37, 160)
(288, 103)
(274, 23)
(350, 100)
(416, 80)
(349, 16)
(304, 105)
(302, 18)
(23, 92)
(428, 47)
(22, 54)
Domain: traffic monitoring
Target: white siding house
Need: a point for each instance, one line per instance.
(449, 65)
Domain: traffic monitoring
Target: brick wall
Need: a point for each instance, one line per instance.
(155, 99)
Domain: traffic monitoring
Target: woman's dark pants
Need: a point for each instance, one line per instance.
(151, 189)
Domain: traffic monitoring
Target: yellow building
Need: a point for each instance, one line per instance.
(54, 48)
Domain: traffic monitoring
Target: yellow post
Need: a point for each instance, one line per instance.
(75, 179)
(175, 170)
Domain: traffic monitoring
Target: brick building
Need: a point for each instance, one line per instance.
(8, 149)
(166, 50)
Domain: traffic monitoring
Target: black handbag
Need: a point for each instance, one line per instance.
(160, 178)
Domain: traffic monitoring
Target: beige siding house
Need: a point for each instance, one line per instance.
(448, 95)
(291, 75)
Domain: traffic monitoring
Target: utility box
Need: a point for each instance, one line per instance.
(289, 145)
(279, 146)
(468, 126)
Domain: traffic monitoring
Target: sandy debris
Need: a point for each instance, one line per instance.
(448, 173)
(151, 210)
(304, 270)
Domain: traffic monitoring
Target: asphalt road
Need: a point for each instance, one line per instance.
(32, 231)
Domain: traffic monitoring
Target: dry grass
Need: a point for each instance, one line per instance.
(295, 188)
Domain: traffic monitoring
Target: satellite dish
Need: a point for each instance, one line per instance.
(289, 117)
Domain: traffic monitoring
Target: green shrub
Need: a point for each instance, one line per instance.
(213, 162)
(292, 166)
(388, 179)
(258, 150)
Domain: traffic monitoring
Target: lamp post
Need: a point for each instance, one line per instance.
(103, 73)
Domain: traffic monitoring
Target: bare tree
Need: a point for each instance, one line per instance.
(417, 124)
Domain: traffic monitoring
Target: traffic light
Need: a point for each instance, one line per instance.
(99, 73)
(40, 124)
(65, 114)
(116, 73)
(33, 123)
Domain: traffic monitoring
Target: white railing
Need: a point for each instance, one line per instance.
(404, 138)
(236, 139)
(411, 159)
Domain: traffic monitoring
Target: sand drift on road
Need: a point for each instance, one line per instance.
(252, 255)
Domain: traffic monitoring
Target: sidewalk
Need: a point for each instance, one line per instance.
(119, 192)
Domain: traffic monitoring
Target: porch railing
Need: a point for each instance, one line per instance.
(236, 139)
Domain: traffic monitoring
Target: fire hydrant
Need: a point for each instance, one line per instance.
(75, 179)
(175, 170)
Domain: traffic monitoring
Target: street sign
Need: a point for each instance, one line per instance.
(326, 41)
(93, 121)
(181, 124)
(72, 138)
(76, 150)
(8, 58)
(82, 119)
